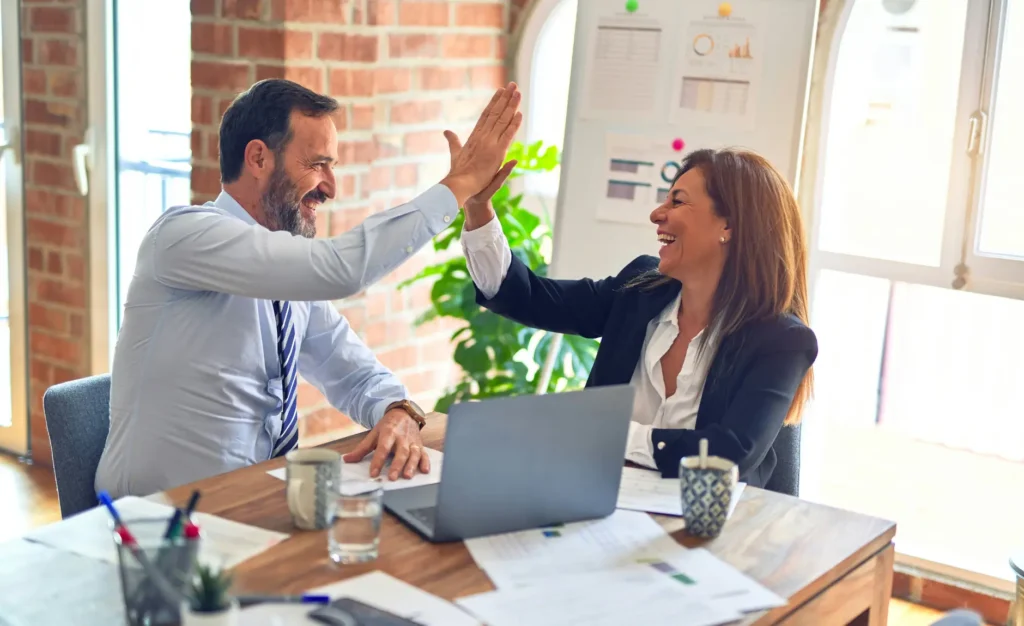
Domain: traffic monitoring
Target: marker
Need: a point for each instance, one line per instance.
(305, 598)
(172, 526)
(191, 506)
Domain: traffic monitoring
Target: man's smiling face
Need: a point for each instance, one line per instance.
(303, 176)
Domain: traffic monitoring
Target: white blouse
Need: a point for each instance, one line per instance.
(488, 257)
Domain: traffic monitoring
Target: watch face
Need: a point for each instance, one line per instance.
(416, 407)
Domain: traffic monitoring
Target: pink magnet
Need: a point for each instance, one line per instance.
(678, 144)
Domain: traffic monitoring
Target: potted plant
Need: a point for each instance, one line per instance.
(208, 601)
(499, 357)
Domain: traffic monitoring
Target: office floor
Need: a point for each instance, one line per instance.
(33, 501)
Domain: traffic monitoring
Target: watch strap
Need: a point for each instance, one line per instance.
(409, 408)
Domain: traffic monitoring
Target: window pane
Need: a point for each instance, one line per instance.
(549, 88)
(890, 130)
(1002, 213)
(154, 122)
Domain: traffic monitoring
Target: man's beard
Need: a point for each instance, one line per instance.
(283, 206)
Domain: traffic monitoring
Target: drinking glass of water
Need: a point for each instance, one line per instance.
(354, 534)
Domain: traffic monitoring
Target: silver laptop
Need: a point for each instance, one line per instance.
(523, 462)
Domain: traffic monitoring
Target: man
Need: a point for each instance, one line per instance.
(230, 301)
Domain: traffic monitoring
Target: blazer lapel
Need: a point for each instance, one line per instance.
(650, 304)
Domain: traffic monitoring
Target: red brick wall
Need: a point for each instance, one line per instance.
(403, 71)
(55, 219)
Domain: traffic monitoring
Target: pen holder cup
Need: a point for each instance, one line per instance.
(148, 601)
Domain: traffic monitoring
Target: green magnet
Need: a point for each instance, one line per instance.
(632, 5)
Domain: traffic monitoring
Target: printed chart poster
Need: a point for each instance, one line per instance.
(637, 176)
(624, 66)
(720, 69)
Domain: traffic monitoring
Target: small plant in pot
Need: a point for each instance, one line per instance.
(209, 603)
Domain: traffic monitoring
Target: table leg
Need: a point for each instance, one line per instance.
(861, 598)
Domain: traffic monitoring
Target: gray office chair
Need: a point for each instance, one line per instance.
(786, 477)
(959, 617)
(77, 417)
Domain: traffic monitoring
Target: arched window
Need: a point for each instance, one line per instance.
(917, 252)
(542, 66)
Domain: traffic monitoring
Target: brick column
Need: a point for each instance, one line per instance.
(53, 87)
(403, 71)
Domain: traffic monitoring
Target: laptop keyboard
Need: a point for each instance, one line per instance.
(425, 514)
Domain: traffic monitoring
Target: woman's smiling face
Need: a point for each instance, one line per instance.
(692, 234)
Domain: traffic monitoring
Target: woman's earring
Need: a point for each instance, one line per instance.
(721, 240)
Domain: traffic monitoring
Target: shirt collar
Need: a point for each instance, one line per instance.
(225, 202)
(670, 314)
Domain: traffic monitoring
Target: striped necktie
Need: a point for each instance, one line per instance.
(287, 352)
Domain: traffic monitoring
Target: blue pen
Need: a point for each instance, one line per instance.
(107, 502)
(305, 598)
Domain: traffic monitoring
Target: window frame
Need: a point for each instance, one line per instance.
(16, 438)
(521, 65)
(960, 222)
(986, 274)
(959, 191)
(999, 275)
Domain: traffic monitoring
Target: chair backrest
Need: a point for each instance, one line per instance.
(786, 477)
(77, 418)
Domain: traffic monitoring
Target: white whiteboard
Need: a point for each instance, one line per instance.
(712, 74)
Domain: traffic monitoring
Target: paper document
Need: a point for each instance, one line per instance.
(646, 490)
(633, 595)
(361, 470)
(225, 543)
(376, 589)
(707, 576)
(637, 176)
(720, 62)
(523, 558)
(622, 70)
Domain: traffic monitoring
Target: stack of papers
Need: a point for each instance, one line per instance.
(601, 571)
(376, 589)
(599, 599)
(225, 543)
(361, 471)
(646, 490)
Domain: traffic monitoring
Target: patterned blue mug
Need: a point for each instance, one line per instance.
(707, 493)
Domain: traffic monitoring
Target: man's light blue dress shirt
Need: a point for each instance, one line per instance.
(196, 381)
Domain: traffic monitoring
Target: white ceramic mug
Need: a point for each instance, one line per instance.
(312, 476)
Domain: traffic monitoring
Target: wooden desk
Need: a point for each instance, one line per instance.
(835, 567)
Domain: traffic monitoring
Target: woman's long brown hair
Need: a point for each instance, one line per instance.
(765, 273)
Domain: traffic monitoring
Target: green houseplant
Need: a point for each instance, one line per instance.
(209, 603)
(499, 357)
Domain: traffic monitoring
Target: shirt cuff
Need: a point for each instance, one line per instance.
(479, 238)
(638, 445)
(377, 414)
(439, 206)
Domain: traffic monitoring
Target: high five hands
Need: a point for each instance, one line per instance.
(476, 166)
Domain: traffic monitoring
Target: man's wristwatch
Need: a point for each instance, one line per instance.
(411, 408)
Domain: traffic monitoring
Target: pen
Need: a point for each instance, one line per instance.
(305, 598)
(191, 506)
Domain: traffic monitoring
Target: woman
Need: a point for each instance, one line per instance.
(712, 334)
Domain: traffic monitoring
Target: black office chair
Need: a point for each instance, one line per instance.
(786, 477)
